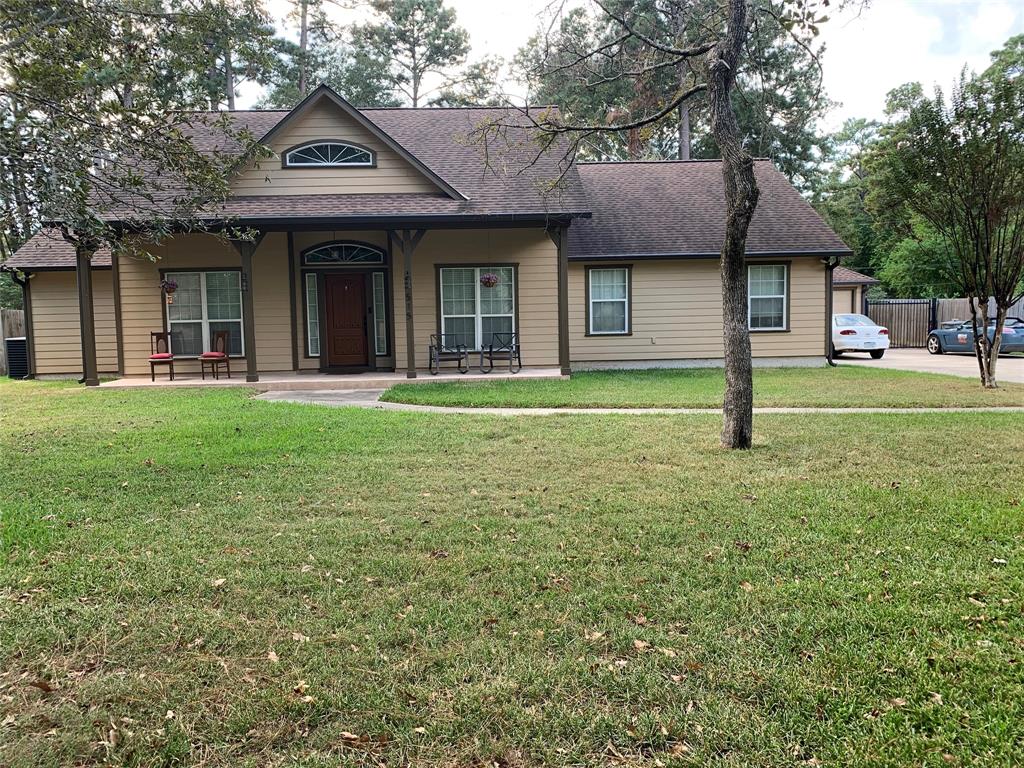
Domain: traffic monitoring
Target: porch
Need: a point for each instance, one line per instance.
(343, 307)
(296, 381)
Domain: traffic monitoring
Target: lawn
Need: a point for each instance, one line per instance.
(845, 386)
(201, 578)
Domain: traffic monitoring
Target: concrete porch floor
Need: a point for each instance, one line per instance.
(290, 381)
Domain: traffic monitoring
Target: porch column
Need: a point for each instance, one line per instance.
(562, 242)
(408, 240)
(86, 317)
(246, 249)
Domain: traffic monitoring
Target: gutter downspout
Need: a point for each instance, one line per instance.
(830, 264)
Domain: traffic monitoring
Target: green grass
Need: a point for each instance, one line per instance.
(845, 386)
(201, 578)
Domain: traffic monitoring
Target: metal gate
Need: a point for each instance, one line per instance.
(908, 320)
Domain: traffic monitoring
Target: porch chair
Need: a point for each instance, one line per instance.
(160, 353)
(217, 357)
(503, 346)
(444, 347)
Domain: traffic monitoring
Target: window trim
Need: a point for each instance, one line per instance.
(788, 265)
(629, 300)
(514, 265)
(303, 255)
(306, 316)
(206, 321)
(286, 163)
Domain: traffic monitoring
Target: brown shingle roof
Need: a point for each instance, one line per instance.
(677, 208)
(845, 276)
(48, 250)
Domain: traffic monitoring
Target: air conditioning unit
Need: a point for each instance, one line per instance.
(17, 357)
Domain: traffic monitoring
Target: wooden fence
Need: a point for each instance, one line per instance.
(12, 324)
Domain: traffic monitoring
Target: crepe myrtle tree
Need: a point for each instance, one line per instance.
(959, 166)
(708, 40)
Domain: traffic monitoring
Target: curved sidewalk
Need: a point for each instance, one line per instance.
(370, 398)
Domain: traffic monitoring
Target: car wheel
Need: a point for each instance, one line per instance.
(876, 354)
(836, 352)
(934, 345)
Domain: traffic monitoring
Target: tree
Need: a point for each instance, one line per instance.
(959, 166)
(777, 99)
(424, 50)
(635, 56)
(91, 135)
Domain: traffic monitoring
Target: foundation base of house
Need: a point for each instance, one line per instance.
(291, 381)
(813, 361)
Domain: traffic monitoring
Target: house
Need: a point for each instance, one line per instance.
(380, 227)
(848, 288)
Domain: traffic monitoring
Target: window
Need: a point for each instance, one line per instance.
(328, 154)
(204, 303)
(380, 315)
(312, 318)
(472, 312)
(330, 254)
(608, 309)
(767, 285)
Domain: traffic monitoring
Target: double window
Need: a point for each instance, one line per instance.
(476, 303)
(204, 303)
(608, 301)
(767, 297)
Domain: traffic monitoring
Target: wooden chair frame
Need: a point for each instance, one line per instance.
(219, 347)
(160, 344)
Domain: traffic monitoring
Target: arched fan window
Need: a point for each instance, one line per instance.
(329, 154)
(342, 253)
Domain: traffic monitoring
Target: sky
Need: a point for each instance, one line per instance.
(867, 53)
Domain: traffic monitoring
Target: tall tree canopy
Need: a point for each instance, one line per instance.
(777, 99)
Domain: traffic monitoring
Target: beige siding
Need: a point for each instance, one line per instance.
(677, 315)
(393, 174)
(531, 249)
(846, 300)
(57, 341)
(142, 308)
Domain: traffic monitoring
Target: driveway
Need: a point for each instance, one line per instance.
(1010, 368)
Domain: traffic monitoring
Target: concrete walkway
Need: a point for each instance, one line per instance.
(369, 398)
(1010, 368)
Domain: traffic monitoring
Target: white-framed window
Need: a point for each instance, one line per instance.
(767, 300)
(328, 154)
(204, 303)
(340, 253)
(472, 311)
(380, 315)
(608, 309)
(312, 317)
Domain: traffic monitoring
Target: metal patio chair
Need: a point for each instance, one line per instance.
(503, 346)
(445, 347)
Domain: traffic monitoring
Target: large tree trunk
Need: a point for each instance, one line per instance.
(741, 194)
(684, 131)
(229, 80)
(304, 48)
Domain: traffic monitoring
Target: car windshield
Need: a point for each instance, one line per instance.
(854, 320)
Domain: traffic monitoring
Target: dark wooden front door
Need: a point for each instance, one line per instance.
(346, 320)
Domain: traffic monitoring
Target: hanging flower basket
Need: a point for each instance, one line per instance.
(168, 287)
(489, 279)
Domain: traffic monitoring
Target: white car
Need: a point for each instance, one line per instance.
(858, 333)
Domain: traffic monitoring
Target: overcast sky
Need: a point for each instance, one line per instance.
(891, 43)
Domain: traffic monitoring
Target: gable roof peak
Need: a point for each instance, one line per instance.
(325, 92)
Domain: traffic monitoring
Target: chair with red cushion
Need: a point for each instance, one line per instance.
(217, 357)
(160, 353)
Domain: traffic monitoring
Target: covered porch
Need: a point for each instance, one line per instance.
(338, 306)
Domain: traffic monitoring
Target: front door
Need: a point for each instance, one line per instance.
(346, 320)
